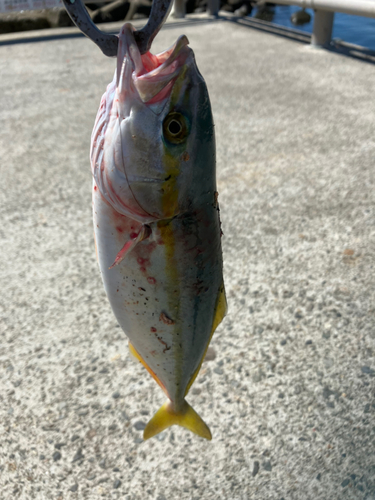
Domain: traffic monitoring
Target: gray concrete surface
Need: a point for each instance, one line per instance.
(290, 395)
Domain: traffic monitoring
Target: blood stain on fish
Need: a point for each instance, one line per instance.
(166, 319)
(167, 347)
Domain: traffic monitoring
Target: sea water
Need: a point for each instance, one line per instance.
(353, 29)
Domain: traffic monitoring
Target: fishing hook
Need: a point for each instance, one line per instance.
(107, 43)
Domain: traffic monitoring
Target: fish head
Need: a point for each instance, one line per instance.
(153, 145)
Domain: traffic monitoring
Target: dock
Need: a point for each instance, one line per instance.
(288, 388)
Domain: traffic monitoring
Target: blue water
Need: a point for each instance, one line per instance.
(352, 29)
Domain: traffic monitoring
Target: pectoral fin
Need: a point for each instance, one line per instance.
(129, 245)
(185, 417)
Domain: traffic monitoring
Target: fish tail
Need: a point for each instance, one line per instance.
(184, 417)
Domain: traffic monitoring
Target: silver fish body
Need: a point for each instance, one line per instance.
(156, 218)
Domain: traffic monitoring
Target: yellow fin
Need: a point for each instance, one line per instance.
(185, 417)
(220, 312)
(137, 356)
(133, 353)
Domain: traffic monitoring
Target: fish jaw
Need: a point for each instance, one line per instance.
(137, 170)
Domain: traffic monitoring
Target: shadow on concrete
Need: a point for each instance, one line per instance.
(351, 50)
(37, 39)
(337, 46)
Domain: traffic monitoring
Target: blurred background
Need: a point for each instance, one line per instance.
(16, 15)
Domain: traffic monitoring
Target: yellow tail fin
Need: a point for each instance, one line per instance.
(186, 417)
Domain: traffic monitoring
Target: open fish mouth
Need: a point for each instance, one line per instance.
(130, 162)
(152, 75)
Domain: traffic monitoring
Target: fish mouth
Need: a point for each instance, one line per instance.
(152, 75)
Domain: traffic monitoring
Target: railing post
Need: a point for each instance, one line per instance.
(322, 30)
(213, 7)
(179, 9)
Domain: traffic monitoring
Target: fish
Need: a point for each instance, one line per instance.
(156, 218)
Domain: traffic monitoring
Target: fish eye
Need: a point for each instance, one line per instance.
(175, 128)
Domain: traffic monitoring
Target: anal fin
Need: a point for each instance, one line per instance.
(137, 356)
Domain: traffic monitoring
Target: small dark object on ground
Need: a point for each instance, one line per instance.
(255, 468)
(139, 425)
(56, 456)
(78, 456)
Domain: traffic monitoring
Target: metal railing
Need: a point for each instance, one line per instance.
(325, 11)
(364, 8)
(323, 18)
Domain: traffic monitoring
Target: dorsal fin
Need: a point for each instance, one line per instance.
(220, 311)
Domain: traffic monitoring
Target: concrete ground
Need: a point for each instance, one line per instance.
(290, 395)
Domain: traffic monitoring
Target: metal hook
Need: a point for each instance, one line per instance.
(108, 43)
